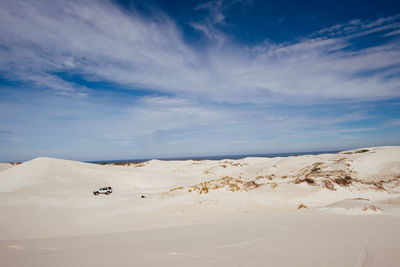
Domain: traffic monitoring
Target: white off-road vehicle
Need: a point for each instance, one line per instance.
(103, 190)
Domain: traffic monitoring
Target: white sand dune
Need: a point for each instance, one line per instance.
(204, 213)
(5, 166)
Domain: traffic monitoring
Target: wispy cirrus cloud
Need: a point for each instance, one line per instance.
(357, 27)
(100, 40)
(224, 96)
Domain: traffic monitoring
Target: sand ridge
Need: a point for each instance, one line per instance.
(49, 202)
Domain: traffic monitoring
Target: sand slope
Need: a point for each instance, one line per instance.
(5, 166)
(205, 213)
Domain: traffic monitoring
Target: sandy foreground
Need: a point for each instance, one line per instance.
(204, 213)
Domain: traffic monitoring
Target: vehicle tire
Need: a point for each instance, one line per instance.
(108, 192)
(96, 193)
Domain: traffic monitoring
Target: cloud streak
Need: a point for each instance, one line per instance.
(101, 41)
(223, 97)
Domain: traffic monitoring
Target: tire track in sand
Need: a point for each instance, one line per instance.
(365, 258)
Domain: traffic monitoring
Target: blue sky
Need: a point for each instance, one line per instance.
(98, 79)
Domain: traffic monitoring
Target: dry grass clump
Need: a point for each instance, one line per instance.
(309, 181)
(251, 184)
(141, 164)
(227, 182)
(357, 151)
(273, 185)
(176, 188)
(373, 208)
(384, 185)
(237, 164)
(203, 188)
(124, 163)
(378, 185)
(346, 181)
(326, 175)
(316, 167)
(200, 188)
(269, 177)
(309, 173)
(329, 185)
(302, 206)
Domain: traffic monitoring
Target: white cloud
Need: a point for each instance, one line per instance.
(357, 27)
(224, 97)
(102, 41)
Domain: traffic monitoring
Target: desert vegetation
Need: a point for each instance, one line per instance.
(329, 174)
(373, 208)
(356, 152)
(125, 163)
(302, 206)
(228, 183)
(326, 175)
(235, 164)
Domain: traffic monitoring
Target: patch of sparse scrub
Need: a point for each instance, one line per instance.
(357, 151)
(227, 182)
(385, 185)
(343, 181)
(309, 181)
(176, 188)
(251, 184)
(327, 176)
(377, 185)
(235, 164)
(329, 185)
(338, 173)
(302, 206)
(361, 151)
(269, 177)
(373, 208)
(124, 163)
(330, 175)
(265, 180)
